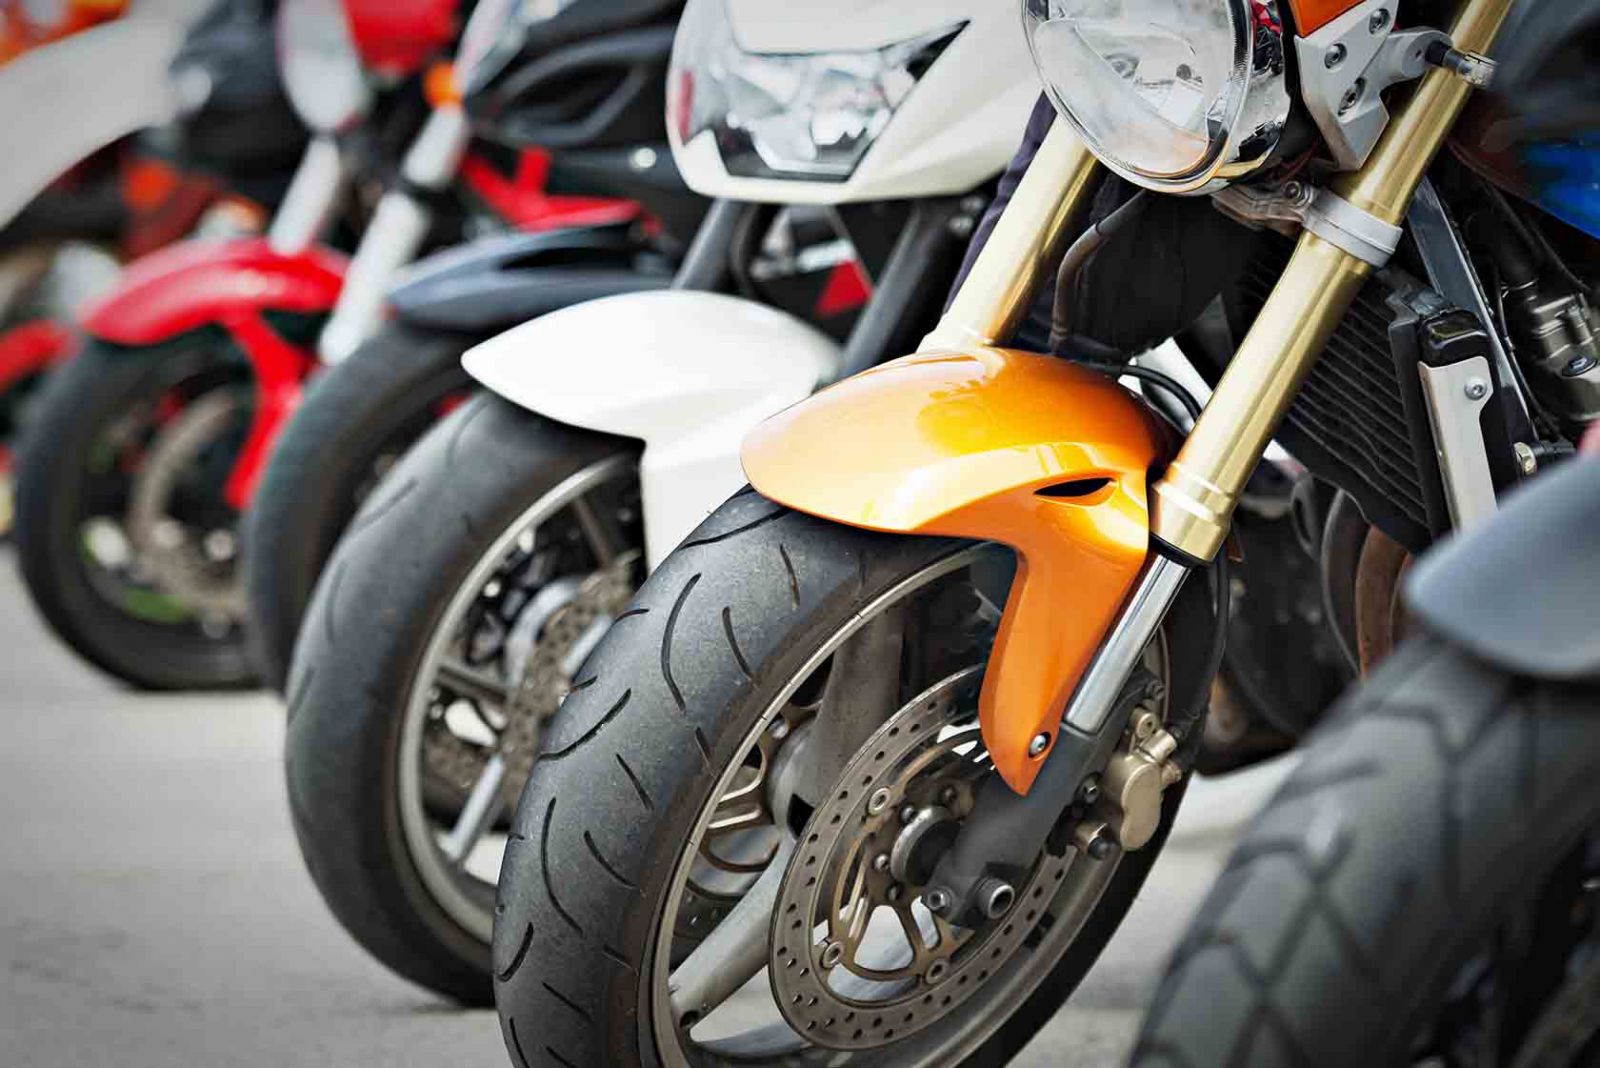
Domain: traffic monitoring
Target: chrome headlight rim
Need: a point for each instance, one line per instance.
(1255, 118)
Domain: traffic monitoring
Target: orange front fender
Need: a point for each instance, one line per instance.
(1030, 451)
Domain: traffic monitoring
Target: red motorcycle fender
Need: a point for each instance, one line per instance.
(198, 283)
(230, 285)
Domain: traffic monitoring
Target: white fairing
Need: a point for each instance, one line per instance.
(66, 101)
(686, 373)
(958, 127)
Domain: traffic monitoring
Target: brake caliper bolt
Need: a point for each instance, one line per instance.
(1089, 792)
(1527, 459)
(937, 898)
(1040, 743)
(949, 796)
(832, 954)
(879, 801)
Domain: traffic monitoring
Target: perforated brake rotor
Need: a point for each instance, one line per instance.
(845, 981)
(452, 764)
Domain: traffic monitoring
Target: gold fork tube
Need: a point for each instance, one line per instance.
(1193, 503)
(994, 296)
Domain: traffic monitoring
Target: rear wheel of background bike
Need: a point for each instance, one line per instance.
(124, 539)
(447, 626)
(1422, 890)
(675, 791)
(357, 419)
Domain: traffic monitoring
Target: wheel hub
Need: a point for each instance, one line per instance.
(857, 960)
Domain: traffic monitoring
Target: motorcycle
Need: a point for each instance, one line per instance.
(143, 453)
(461, 604)
(938, 677)
(1421, 888)
(363, 413)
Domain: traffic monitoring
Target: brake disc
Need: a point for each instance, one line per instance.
(842, 976)
(451, 764)
(176, 561)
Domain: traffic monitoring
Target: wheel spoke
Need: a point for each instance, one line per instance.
(483, 805)
(474, 684)
(735, 950)
(599, 530)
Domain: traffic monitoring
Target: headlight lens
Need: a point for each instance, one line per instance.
(321, 68)
(1168, 93)
(805, 116)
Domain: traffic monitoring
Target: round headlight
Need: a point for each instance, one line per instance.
(1174, 95)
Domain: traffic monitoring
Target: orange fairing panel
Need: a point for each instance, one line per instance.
(1312, 15)
(960, 444)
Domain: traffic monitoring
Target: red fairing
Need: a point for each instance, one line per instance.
(32, 347)
(196, 283)
(397, 37)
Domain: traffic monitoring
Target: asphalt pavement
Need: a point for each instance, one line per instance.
(154, 911)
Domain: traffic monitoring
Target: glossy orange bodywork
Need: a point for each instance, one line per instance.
(962, 444)
(1312, 15)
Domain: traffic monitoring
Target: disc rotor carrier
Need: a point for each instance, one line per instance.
(843, 977)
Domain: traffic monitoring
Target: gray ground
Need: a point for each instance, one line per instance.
(153, 909)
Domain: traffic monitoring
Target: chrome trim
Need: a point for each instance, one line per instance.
(1135, 628)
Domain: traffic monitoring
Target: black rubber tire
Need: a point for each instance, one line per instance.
(382, 594)
(1438, 795)
(664, 703)
(378, 401)
(77, 404)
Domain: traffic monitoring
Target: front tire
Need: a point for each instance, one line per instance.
(97, 421)
(356, 417)
(362, 691)
(720, 635)
(1433, 805)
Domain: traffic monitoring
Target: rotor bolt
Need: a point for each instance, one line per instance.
(908, 813)
(949, 796)
(880, 862)
(832, 954)
(878, 801)
(1040, 743)
(1476, 389)
(936, 973)
(895, 893)
(1334, 56)
(1379, 21)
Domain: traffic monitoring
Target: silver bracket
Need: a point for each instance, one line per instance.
(1456, 395)
(1346, 65)
(1321, 211)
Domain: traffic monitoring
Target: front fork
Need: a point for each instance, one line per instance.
(396, 232)
(1192, 504)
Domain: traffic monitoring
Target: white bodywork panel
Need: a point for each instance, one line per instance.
(958, 127)
(78, 95)
(686, 373)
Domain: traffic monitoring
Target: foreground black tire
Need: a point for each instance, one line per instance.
(717, 631)
(357, 417)
(379, 601)
(1433, 805)
(80, 401)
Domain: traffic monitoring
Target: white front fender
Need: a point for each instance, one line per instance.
(686, 373)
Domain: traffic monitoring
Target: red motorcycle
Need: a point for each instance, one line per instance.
(145, 450)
